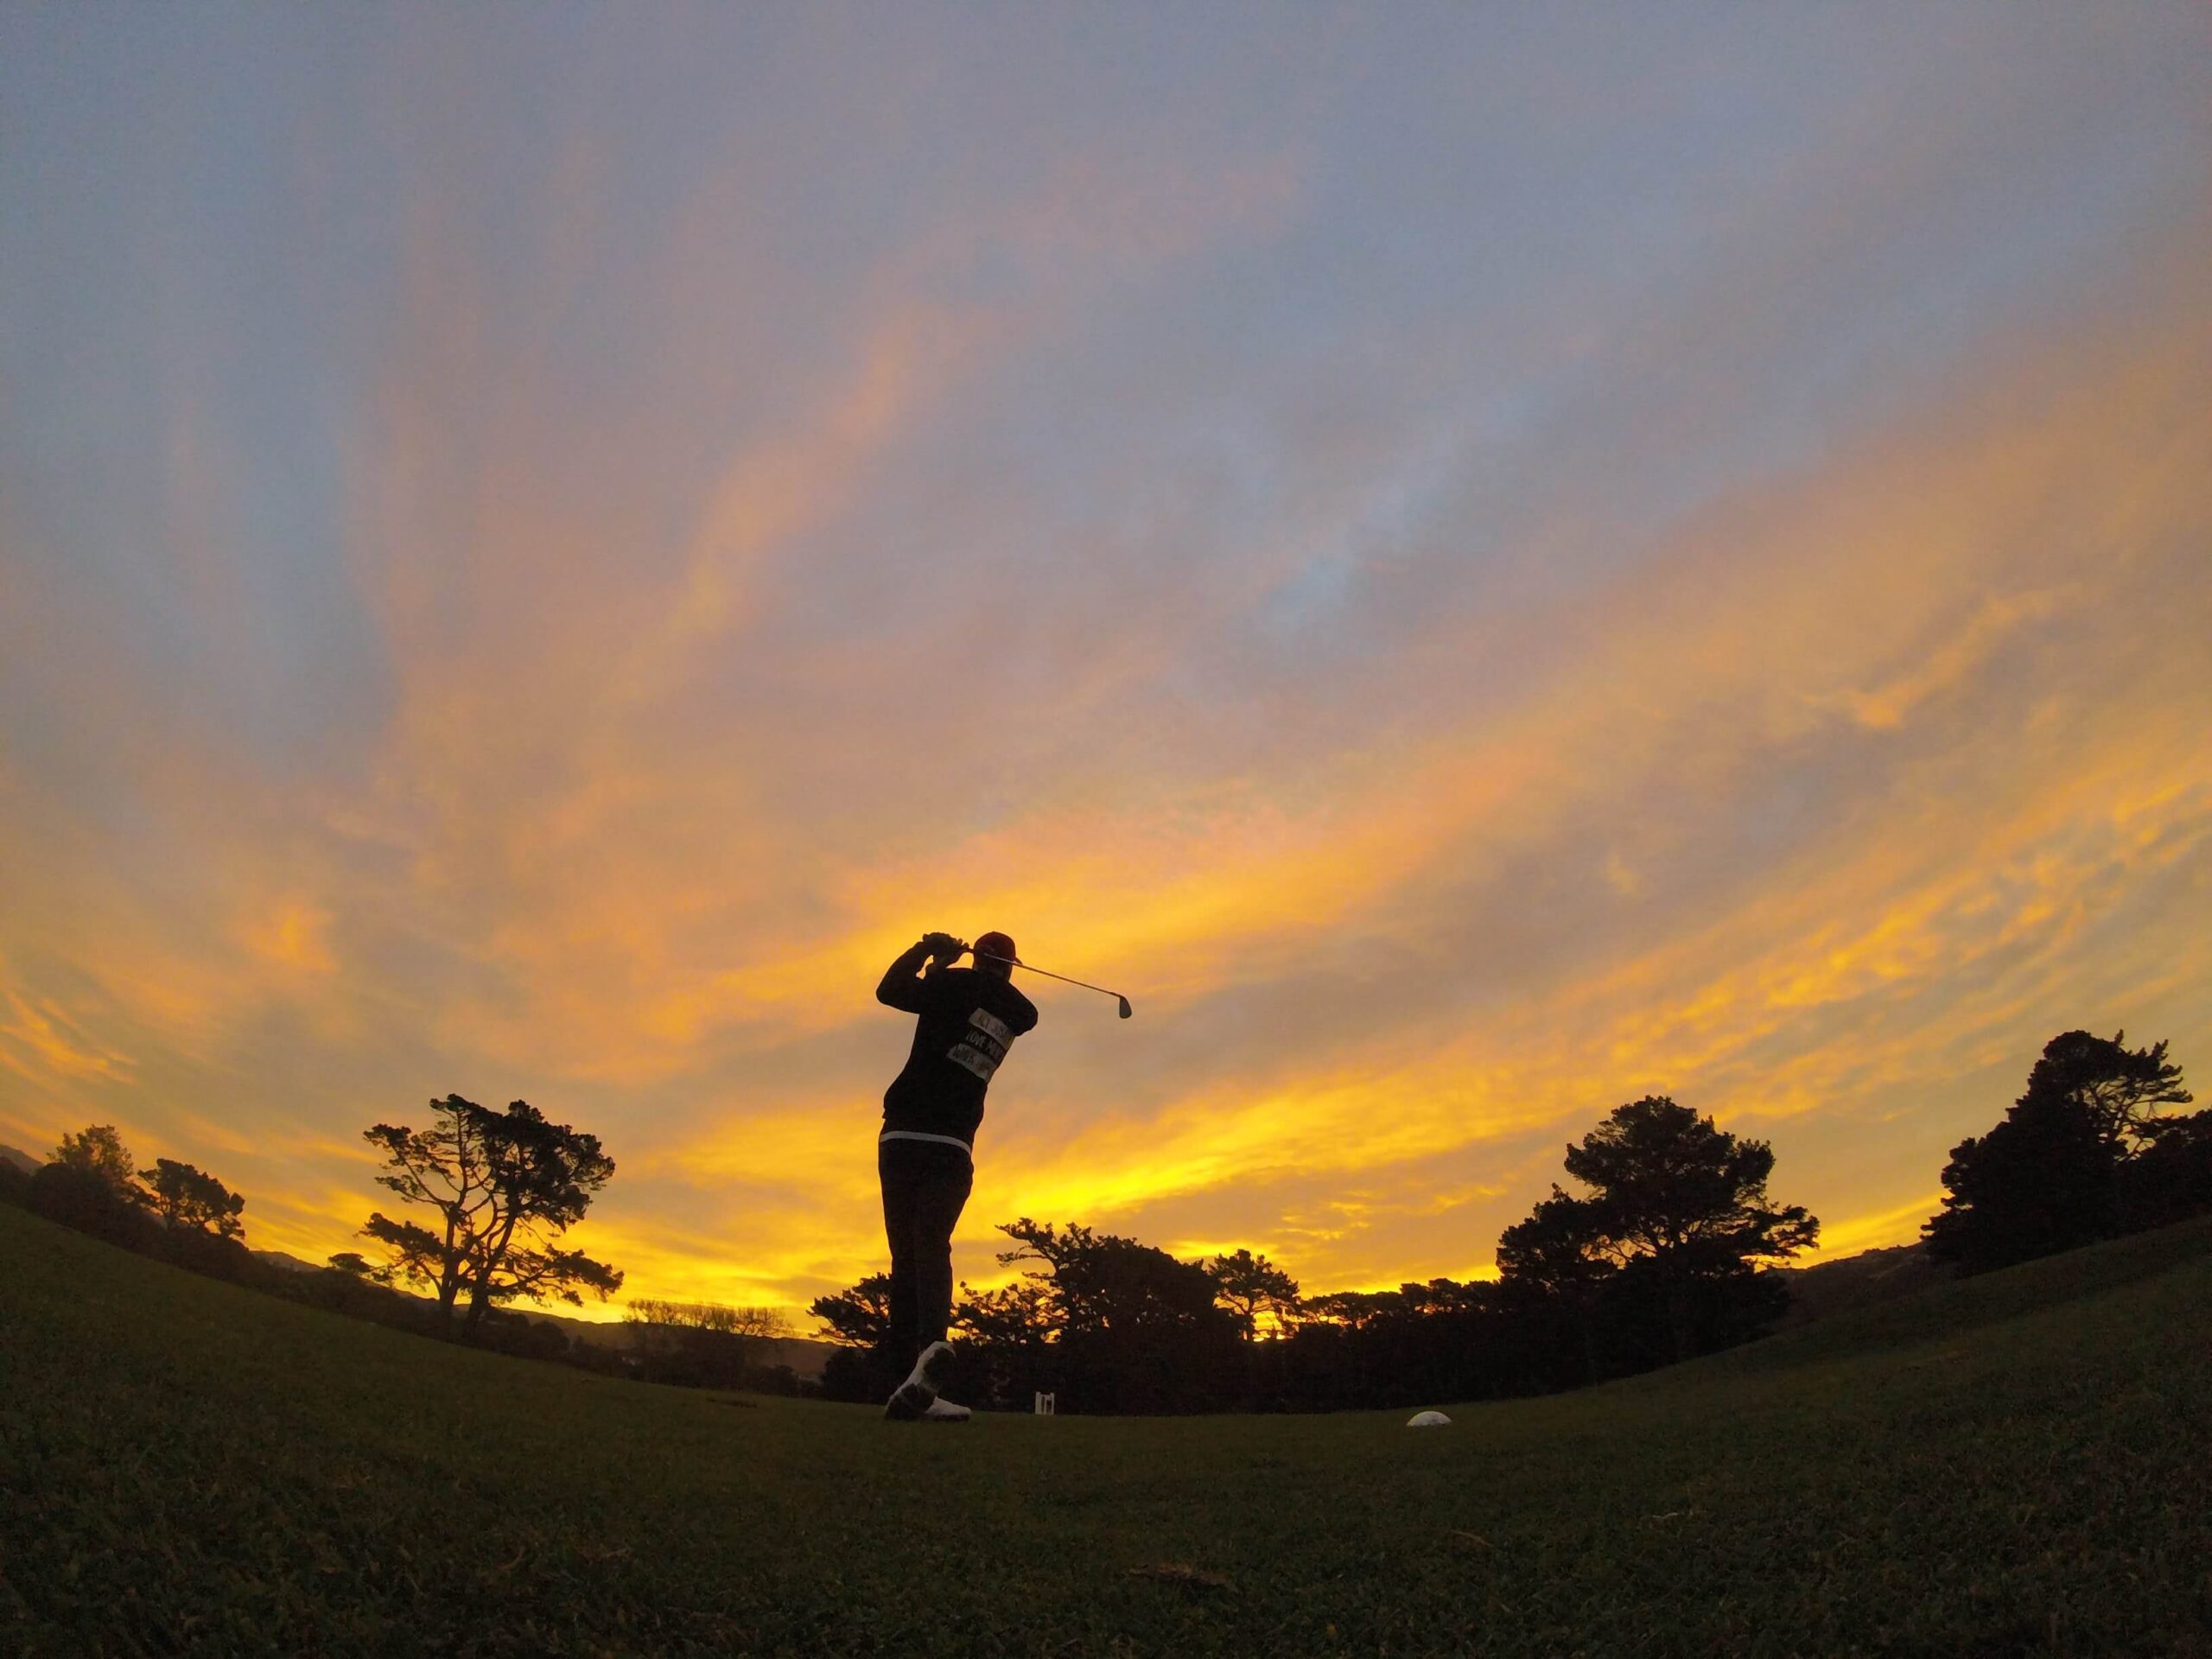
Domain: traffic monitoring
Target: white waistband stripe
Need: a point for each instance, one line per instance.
(916, 1135)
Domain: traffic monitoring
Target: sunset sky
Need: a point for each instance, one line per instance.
(1478, 563)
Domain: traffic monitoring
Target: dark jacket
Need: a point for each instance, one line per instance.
(968, 1020)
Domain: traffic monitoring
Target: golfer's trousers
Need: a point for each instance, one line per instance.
(925, 1186)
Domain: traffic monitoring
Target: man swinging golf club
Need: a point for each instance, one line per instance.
(968, 1017)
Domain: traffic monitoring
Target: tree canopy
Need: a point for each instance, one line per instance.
(1671, 1185)
(99, 1155)
(1253, 1288)
(860, 1317)
(191, 1198)
(1098, 1282)
(1677, 1209)
(503, 1187)
(2084, 1138)
(1107, 1322)
(1560, 1248)
(702, 1344)
(718, 1318)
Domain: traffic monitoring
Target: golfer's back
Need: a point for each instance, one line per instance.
(966, 1022)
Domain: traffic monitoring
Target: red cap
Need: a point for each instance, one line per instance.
(995, 944)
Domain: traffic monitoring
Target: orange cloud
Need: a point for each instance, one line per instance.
(46, 1042)
(294, 936)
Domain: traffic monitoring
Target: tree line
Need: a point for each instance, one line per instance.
(170, 1210)
(1667, 1248)
(1657, 1259)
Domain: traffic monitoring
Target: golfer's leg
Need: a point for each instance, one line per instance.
(943, 1201)
(901, 1218)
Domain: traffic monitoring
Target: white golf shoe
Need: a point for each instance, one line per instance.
(943, 1411)
(914, 1397)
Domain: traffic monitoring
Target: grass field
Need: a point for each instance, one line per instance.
(2018, 1464)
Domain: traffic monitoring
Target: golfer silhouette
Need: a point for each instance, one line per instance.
(967, 1018)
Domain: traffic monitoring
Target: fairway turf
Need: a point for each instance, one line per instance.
(2014, 1465)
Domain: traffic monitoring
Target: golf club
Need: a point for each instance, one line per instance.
(1016, 961)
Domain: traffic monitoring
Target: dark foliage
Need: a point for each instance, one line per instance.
(1107, 1324)
(98, 1155)
(88, 1201)
(1419, 1344)
(502, 1187)
(2169, 1179)
(1007, 1339)
(1661, 1261)
(706, 1345)
(860, 1317)
(2081, 1155)
(191, 1200)
(511, 1332)
(1552, 1265)
(860, 1375)
(179, 1217)
(1254, 1291)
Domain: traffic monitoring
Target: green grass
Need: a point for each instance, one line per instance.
(2014, 1465)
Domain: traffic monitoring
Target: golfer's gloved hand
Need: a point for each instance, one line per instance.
(943, 947)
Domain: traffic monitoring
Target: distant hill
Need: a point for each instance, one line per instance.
(21, 1159)
(803, 1354)
(287, 1262)
(1861, 1280)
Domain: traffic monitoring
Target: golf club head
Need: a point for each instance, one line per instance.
(1126, 1010)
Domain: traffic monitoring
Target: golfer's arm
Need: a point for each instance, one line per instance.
(901, 989)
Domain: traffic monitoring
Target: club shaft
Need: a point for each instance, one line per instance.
(1016, 961)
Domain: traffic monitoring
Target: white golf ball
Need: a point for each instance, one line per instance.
(1429, 1420)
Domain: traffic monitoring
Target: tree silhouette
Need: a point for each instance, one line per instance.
(700, 1345)
(1137, 1330)
(2170, 1176)
(751, 1324)
(1101, 1282)
(91, 1183)
(1354, 1310)
(1559, 1256)
(504, 1187)
(2052, 1175)
(860, 1317)
(2116, 1089)
(354, 1265)
(190, 1199)
(1440, 1340)
(100, 1158)
(1008, 1341)
(1249, 1285)
(1678, 1200)
(1560, 1249)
